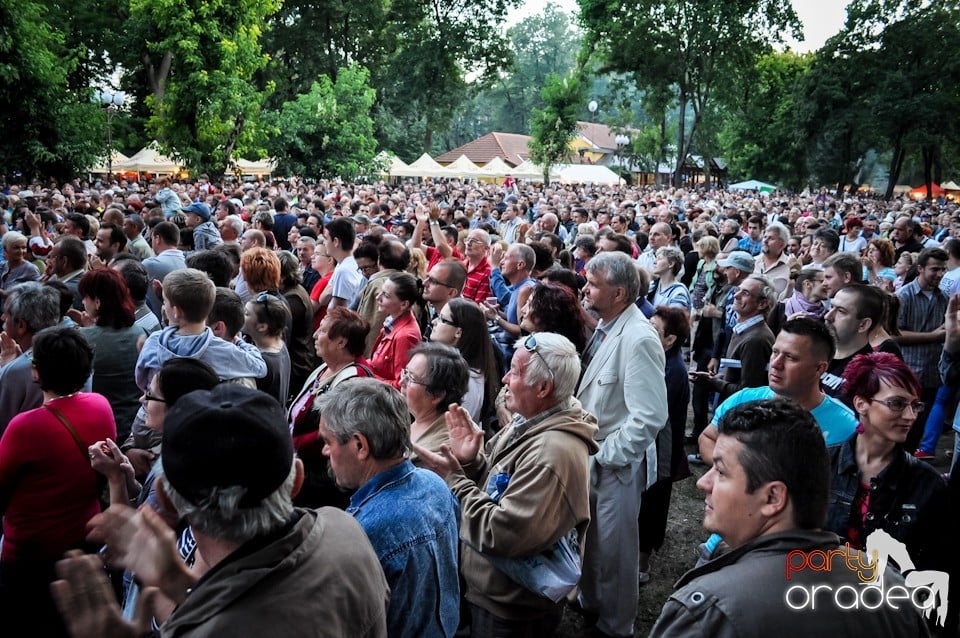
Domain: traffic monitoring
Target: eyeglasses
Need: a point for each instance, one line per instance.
(150, 397)
(433, 281)
(530, 345)
(449, 322)
(364, 269)
(899, 404)
(407, 377)
(473, 240)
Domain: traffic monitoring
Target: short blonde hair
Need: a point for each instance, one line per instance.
(708, 245)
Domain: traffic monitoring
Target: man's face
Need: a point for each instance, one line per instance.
(900, 232)
(600, 295)
(105, 250)
(930, 275)
(510, 263)
(476, 246)
(794, 368)
(345, 466)
(659, 237)
(616, 225)
(520, 395)
(193, 220)
(747, 300)
(842, 318)
(729, 510)
(508, 214)
(773, 245)
(305, 252)
(53, 262)
(869, 228)
(246, 242)
(754, 231)
(69, 228)
(833, 281)
(733, 275)
(366, 266)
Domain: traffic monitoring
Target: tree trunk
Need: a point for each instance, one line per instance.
(428, 139)
(681, 139)
(896, 165)
(928, 153)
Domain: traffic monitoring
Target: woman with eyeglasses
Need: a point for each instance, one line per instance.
(876, 484)
(435, 377)
(461, 324)
(324, 264)
(400, 332)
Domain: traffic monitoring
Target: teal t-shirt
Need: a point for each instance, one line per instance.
(837, 421)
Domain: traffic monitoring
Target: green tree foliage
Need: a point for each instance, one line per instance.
(555, 125)
(91, 36)
(200, 58)
(759, 136)
(691, 47)
(327, 132)
(51, 131)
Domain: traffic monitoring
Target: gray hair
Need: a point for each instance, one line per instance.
(220, 515)
(371, 408)
(780, 229)
(235, 222)
(36, 305)
(617, 269)
(674, 255)
(12, 237)
(526, 254)
(558, 361)
(767, 291)
(310, 241)
(447, 373)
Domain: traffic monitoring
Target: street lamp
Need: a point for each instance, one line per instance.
(592, 107)
(621, 140)
(111, 101)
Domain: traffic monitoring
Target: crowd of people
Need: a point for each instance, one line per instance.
(458, 408)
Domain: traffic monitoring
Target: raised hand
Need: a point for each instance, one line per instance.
(466, 437)
(951, 325)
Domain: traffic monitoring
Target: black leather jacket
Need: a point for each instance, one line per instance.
(908, 500)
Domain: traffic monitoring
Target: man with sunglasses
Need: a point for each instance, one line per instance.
(522, 493)
(623, 385)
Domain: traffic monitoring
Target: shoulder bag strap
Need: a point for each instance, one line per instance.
(73, 433)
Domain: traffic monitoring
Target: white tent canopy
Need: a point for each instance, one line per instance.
(116, 157)
(388, 163)
(583, 174)
(259, 167)
(463, 167)
(424, 166)
(496, 168)
(148, 160)
(752, 185)
(529, 170)
(950, 186)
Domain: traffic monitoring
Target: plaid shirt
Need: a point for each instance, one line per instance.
(922, 311)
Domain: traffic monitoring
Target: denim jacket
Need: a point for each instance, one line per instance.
(412, 520)
(908, 500)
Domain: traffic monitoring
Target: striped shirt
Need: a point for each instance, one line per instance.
(922, 311)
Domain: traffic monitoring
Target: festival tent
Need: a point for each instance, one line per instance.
(496, 168)
(463, 167)
(529, 170)
(950, 186)
(752, 185)
(147, 160)
(424, 166)
(921, 191)
(259, 167)
(583, 174)
(388, 163)
(116, 158)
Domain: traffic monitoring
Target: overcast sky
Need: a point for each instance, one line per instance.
(820, 18)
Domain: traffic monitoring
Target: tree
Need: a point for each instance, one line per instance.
(327, 132)
(759, 135)
(200, 58)
(51, 131)
(691, 47)
(555, 125)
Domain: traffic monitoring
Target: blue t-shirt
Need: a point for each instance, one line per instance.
(837, 421)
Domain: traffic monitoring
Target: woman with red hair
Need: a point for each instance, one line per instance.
(110, 330)
(876, 484)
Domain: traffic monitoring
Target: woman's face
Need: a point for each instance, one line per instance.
(903, 265)
(412, 387)
(665, 340)
(16, 252)
(156, 410)
(250, 318)
(388, 302)
(813, 289)
(91, 306)
(873, 253)
(326, 348)
(445, 330)
(526, 317)
(793, 246)
(661, 265)
(885, 421)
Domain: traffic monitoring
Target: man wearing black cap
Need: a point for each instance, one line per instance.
(265, 559)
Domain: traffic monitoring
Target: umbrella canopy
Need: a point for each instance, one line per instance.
(496, 168)
(116, 157)
(424, 166)
(148, 160)
(752, 185)
(921, 191)
(463, 167)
